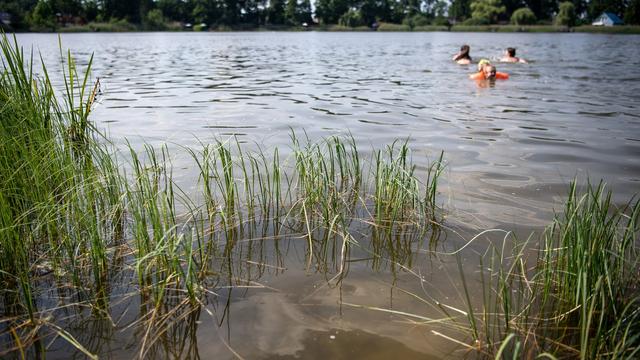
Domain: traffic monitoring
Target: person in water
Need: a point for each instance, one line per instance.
(486, 71)
(463, 57)
(510, 57)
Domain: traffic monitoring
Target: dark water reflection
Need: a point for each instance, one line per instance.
(511, 150)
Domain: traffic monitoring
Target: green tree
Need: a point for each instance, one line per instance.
(291, 11)
(154, 20)
(200, 13)
(90, 10)
(460, 9)
(543, 9)
(43, 15)
(632, 13)
(580, 6)
(489, 10)
(230, 12)
(523, 16)
(566, 14)
(440, 9)
(206, 11)
(413, 7)
(388, 10)
(153, 14)
(371, 11)
(144, 6)
(171, 9)
(416, 20)
(351, 18)
(275, 13)
(305, 12)
(252, 12)
(330, 11)
(298, 12)
(513, 5)
(67, 7)
(118, 9)
(18, 10)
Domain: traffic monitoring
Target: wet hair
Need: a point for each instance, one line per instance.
(482, 63)
(464, 53)
(511, 51)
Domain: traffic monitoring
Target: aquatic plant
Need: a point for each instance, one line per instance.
(59, 201)
(576, 296)
(77, 223)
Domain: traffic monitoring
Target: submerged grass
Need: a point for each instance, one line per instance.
(75, 223)
(577, 296)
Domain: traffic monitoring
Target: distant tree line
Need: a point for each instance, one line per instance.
(156, 14)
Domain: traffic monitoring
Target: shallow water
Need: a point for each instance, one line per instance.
(511, 149)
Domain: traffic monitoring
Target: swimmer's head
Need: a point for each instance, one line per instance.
(482, 63)
(464, 53)
(489, 72)
(511, 51)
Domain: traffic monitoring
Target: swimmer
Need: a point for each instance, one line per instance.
(463, 57)
(482, 63)
(510, 57)
(486, 71)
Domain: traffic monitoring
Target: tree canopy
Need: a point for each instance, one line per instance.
(566, 14)
(487, 11)
(523, 16)
(156, 14)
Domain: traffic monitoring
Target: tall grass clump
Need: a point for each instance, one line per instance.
(589, 276)
(59, 194)
(399, 194)
(163, 242)
(323, 191)
(578, 296)
(327, 178)
(317, 194)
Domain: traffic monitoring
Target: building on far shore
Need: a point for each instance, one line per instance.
(608, 19)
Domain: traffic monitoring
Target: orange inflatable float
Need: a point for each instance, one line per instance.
(481, 76)
(487, 71)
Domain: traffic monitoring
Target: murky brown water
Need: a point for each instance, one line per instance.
(511, 151)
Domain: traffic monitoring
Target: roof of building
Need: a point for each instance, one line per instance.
(613, 17)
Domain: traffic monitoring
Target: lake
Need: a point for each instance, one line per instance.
(511, 150)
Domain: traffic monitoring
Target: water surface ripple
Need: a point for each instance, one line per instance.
(511, 148)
